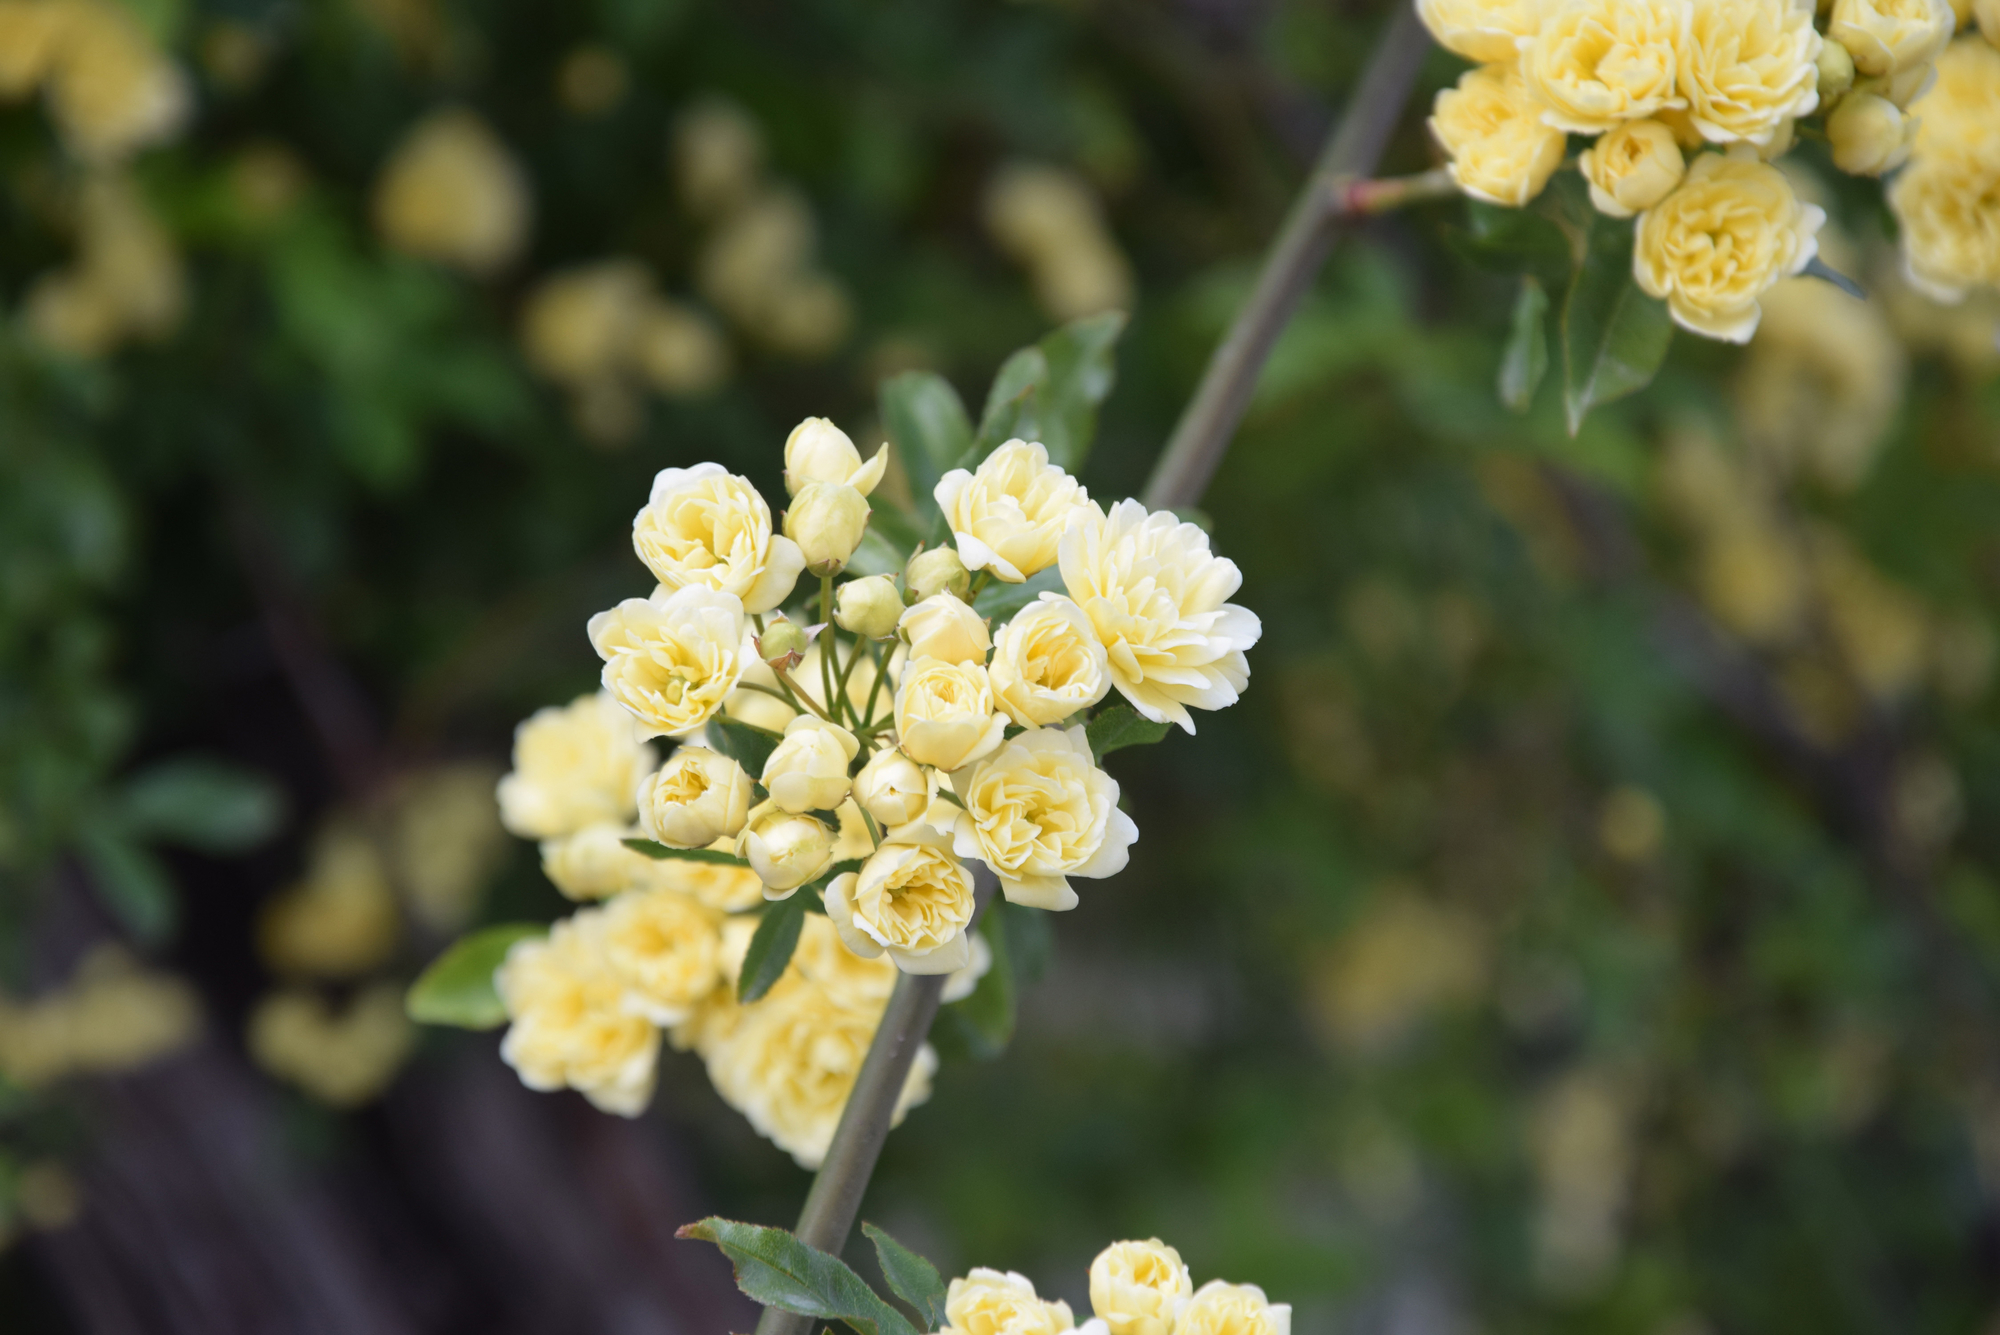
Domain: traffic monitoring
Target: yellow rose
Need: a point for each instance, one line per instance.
(868, 607)
(1008, 515)
(1038, 812)
(1047, 663)
(343, 1058)
(785, 850)
(1869, 135)
(1747, 66)
(1156, 597)
(911, 898)
(819, 451)
(1138, 1288)
(1632, 168)
(569, 1023)
(110, 90)
(678, 349)
(698, 798)
(1948, 207)
(987, 1302)
(944, 626)
(1717, 243)
(862, 982)
(451, 193)
(892, 788)
(789, 1062)
(827, 521)
(1233, 1309)
(1595, 63)
(945, 716)
(666, 949)
(807, 771)
(574, 765)
(1890, 36)
(1483, 31)
(1961, 113)
(672, 659)
(718, 885)
(593, 863)
(1501, 149)
(704, 527)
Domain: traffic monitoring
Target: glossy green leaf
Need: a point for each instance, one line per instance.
(927, 423)
(1013, 404)
(1081, 358)
(998, 602)
(131, 882)
(1121, 726)
(457, 988)
(777, 1270)
(912, 1278)
(748, 746)
(1512, 241)
(771, 947)
(711, 855)
(203, 804)
(1614, 336)
(1526, 358)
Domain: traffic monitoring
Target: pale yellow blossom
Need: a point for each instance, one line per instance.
(1007, 515)
(1139, 1288)
(672, 659)
(1047, 663)
(819, 451)
(574, 765)
(698, 797)
(704, 527)
(1483, 31)
(1890, 36)
(1039, 811)
(945, 715)
(1716, 244)
(892, 788)
(1595, 63)
(911, 898)
(785, 849)
(1233, 1309)
(988, 1302)
(944, 626)
(1747, 66)
(807, 771)
(569, 1023)
(1632, 168)
(1501, 149)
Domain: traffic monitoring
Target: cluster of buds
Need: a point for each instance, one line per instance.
(1136, 1288)
(899, 739)
(1688, 103)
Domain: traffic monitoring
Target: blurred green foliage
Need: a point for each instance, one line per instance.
(1526, 951)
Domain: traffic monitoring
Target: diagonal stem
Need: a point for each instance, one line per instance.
(1211, 418)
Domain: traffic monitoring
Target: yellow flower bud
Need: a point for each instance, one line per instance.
(946, 627)
(945, 714)
(807, 771)
(934, 572)
(1138, 1288)
(892, 788)
(819, 451)
(868, 607)
(1836, 71)
(1869, 135)
(1632, 168)
(784, 849)
(987, 1302)
(698, 798)
(827, 520)
(1233, 1309)
(783, 643)
(1890, 36)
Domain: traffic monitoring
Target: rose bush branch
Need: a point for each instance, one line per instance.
(1336, 193)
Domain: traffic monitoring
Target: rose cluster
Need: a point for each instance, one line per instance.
(1656, 84)
(892, 742)
(1136, 1288)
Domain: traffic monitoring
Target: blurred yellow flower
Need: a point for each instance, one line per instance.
(574, 765)
(1404, 958)
(451, 192)
(1233, 1309)
(718, 157)
(591, 80)
(1047, 219)
(721, 887)
(1710, 249)
(1501, 149)
(569, 1024)
(444, 841)
(110, 89)
(127, 283)
(1869, 135)
(341, 920)
(665, 947)
(112, 1015)
(1821, 383)
(1890, 36)
(30, 34)
(343, 1058)
(593, 863)
(1632, 168)
(1483, 31)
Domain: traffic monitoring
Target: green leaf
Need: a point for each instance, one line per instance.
(1012, 404)
(1512, 241)
(987, 1016)
(998, 601)
(911, 1278)
(777, 1270)
(1526, 359)
(714, 855)
(1081, 369)
(927, 423)
(205, 804)
(457, 989)
(1614, 336)
(748, 746)
(130, 881)
(1121, 726)
(771, 946)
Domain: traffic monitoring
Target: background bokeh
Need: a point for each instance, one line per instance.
(1589, 921)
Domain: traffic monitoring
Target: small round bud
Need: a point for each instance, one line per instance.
(785, 850)
(783, 644)
(942, 626)
(868, 607)
(892, 788)
(1868, 134)
(827, 520)
(934, 572)
(819, 451)
(1836, 71)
